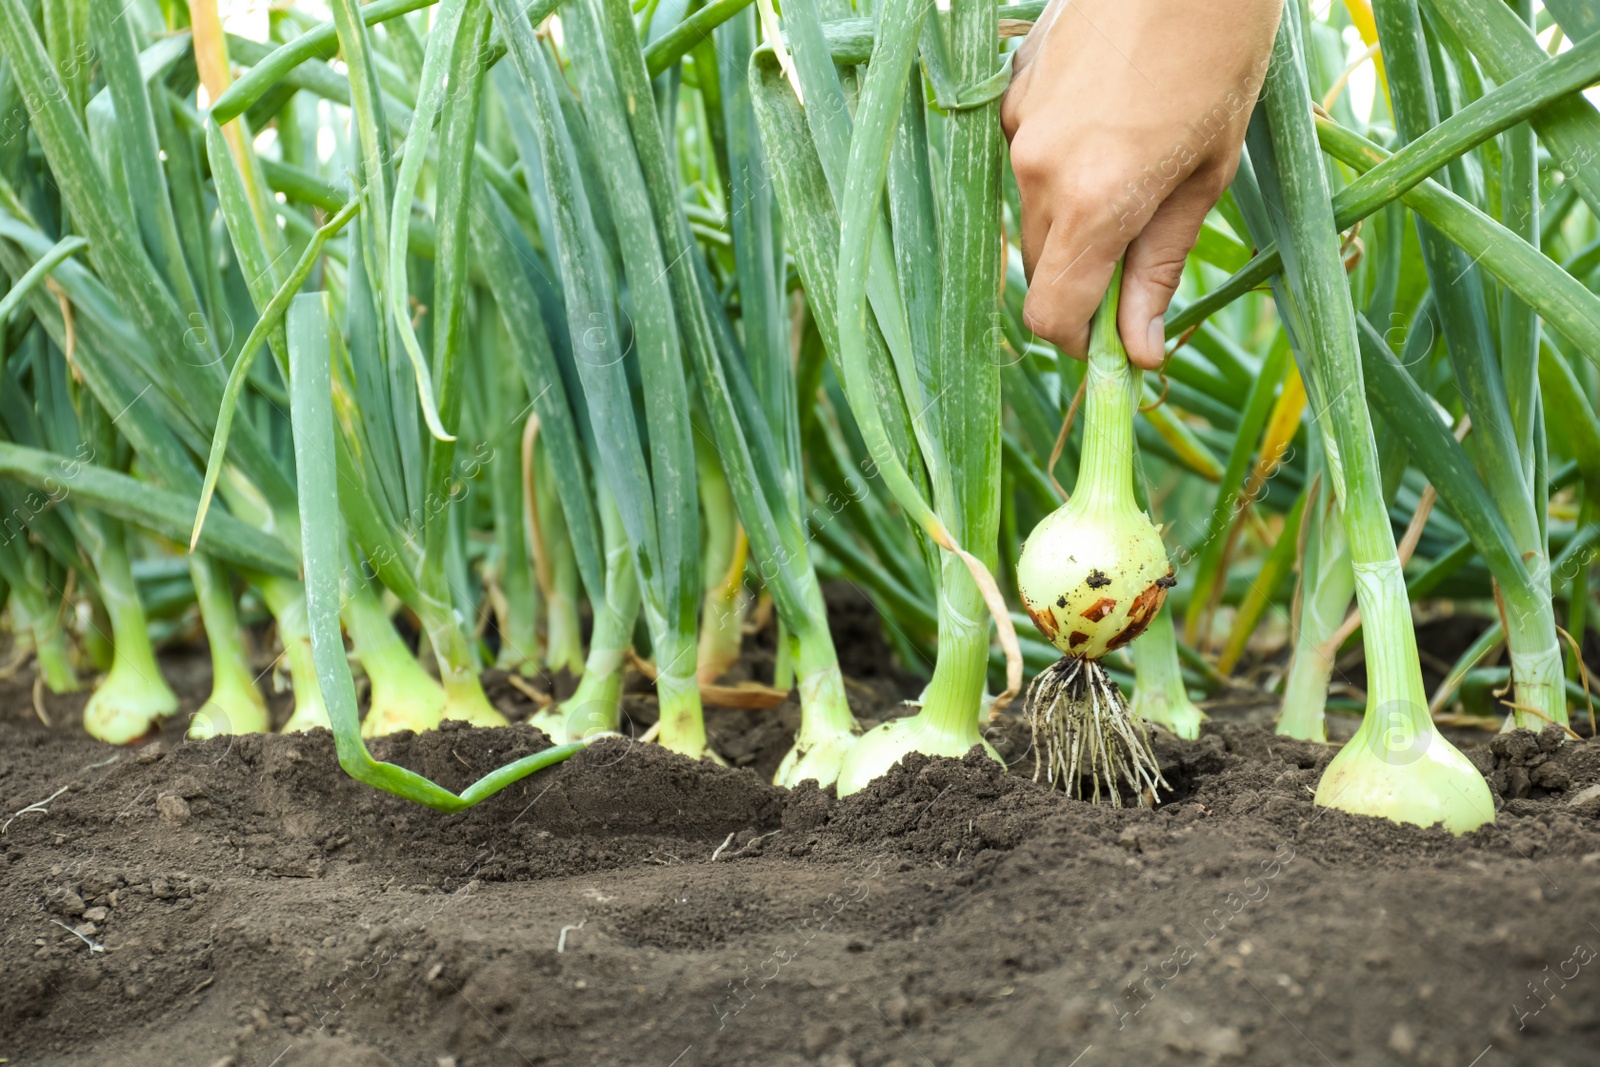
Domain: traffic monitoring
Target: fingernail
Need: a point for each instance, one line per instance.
(1157, 336)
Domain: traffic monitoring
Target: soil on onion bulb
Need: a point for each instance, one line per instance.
(240, 901)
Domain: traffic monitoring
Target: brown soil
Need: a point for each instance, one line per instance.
(248, 904)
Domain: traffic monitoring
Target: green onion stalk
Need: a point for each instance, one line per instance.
(286, 601)
(827, 168)
(1499, 383)
(419, 574)
(1092, 576)
(460, 69)
(656, 500)
(33, 619)
(627, 134)
(596, 705)
(465, 700)
(555, 565)
(750, 391)
(1397, 766)
(235, 705)
(403, 696)
(828, 731)
(726, 600)
(959, 422)
(754, 419)
(947, 723)
(1159, 693)
(517, 608)
(1327, 583)
(167, 401)
(133, 697)
(752, 399)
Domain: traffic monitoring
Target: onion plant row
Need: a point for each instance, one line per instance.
(602, 336)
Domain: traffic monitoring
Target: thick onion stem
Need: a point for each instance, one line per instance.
(1159, 694)
(563, 636)
(1536, 675)
(947, 725)
(1327, 586)
(723, 607)
(34, 620)
(287, 602)
(955, 692)
(464, 698)
(1105, 472)
(404, 696)
(596, 706)
(683, 726)
(235, 705)
(1398, 766)
(827, 728)
(133, 697)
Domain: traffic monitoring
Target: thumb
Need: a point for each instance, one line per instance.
(1154, 266)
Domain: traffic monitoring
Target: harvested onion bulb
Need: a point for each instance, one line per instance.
(1092, 575)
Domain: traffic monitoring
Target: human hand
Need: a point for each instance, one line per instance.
(1125, 119)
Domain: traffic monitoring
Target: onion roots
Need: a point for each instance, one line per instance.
(1087, 732)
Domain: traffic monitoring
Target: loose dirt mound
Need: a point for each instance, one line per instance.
(241, 901)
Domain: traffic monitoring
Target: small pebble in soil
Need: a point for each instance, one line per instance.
(174, 810)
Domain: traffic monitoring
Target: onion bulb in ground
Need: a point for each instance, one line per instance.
(828, 730)
(402, 694)
(1398, 766)
(596, 706)
(286, 600)
(133, 697)
(1092, 575)
(235, 705)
